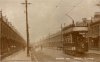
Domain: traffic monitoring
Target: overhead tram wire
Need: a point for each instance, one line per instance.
(70, 9)
(59, 3)
(74, 6)
(67, 14)
(56, 7)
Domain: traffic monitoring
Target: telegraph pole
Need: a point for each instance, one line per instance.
(1, 14)
(61, 36)
(27, 26)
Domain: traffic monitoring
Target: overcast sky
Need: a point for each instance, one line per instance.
(46, 15)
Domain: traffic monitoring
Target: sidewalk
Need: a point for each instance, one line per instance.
(20, 56)
(94, 51)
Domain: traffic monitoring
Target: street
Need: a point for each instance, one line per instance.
(54, 55)
(50, 31)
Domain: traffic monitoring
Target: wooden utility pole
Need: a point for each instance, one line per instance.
(1, 13)
(61, 35)
(27, 27)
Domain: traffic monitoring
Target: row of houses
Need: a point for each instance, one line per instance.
(10, 40)
(93, 34)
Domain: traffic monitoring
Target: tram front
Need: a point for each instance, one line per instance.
(81, 39)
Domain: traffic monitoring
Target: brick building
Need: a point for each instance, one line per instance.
(94, 32)
(10, 39)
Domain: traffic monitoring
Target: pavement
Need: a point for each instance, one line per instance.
(94, 51)
(19, 56)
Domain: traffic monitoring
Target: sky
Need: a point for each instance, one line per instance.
(46, 16)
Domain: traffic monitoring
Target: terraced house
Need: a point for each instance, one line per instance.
(94, 32)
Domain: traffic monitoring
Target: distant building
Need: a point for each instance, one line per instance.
(84, 22)
(94, 32)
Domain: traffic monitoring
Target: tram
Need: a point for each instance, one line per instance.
(74, 40)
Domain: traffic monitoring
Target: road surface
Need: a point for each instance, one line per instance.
(54, 55)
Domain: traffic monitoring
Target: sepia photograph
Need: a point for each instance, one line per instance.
(49, 30)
